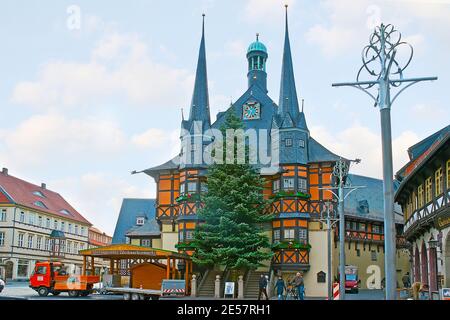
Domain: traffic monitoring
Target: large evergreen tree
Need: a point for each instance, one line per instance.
(230, 233)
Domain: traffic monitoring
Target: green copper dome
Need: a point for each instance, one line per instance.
(257, 46)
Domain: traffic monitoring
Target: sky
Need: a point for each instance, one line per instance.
(92, 90)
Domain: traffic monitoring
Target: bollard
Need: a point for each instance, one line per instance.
(241, 287)
(194, 286)
(217, 287)
(336, 291)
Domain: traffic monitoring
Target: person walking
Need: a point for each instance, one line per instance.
(262, 287)
(281, 286)
(2, 285)
(300, 285)
(406, 280)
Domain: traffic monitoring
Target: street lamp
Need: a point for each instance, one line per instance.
(340, 172)
(379, 61)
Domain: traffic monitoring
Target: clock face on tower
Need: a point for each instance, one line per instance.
(251, 110)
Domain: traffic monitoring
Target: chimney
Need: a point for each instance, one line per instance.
(43, 186)
(5, 171)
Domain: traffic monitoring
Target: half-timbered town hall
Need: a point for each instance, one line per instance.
(305, 167)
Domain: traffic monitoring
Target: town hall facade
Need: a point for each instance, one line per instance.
(296, 184)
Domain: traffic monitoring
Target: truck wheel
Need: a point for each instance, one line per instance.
(126, 296)
(135, 296)
(155, 298)
(73, 293)
(85, 293)
(43, 291)
(56, 293)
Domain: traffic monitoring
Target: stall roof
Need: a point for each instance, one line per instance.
(128, 251)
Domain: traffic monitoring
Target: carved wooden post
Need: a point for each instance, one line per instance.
(241, 287)
(194, 286)
(217, 287)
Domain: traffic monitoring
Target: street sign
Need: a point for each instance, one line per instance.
(229, 289)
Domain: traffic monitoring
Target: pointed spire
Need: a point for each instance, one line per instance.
(200, 98)
(288, 93)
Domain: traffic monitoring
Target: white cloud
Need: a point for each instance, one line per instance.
(428, 112)
(98, 195)
(150, 139)
(266, 10)
(333, 40)
(120, 66)
(349, 23)
(367, 147)
(43, 139)
(153, 138)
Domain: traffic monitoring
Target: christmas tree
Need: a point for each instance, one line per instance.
(230, 233)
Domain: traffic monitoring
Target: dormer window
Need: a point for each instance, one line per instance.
(40, 204)
(140, 221)
(64, 211)
(39, 194)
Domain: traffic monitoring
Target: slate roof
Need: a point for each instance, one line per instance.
(420, 147)
(288, 103)
(149, 228)
(24, 193)
(318, 153)
(129, 211)
(286, 116)
(199, 110)
(371, 195)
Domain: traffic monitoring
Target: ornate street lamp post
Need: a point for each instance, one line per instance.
(379, 61)
(340, 172)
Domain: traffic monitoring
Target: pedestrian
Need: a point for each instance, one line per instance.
(262, 287)
(300, 285)
(281, 286)
(406, 280)
(2, 285)
(416, 289)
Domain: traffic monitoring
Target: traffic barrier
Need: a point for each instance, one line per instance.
(336, 291)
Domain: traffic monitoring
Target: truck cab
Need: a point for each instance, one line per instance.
(51, 277)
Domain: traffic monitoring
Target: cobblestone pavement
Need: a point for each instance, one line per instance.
(20, 290)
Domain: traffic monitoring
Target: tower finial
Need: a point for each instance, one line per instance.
(257, 36)
(203, 24)
(303, 104)
(286, 6)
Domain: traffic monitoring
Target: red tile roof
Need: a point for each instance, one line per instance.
(18, 191)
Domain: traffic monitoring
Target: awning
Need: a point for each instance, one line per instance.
(128, 251)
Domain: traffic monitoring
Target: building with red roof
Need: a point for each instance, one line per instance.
(37, 224)
(98, 238)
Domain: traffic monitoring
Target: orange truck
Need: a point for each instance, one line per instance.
(50, 277)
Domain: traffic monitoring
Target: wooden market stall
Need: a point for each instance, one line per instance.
(146, 266)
